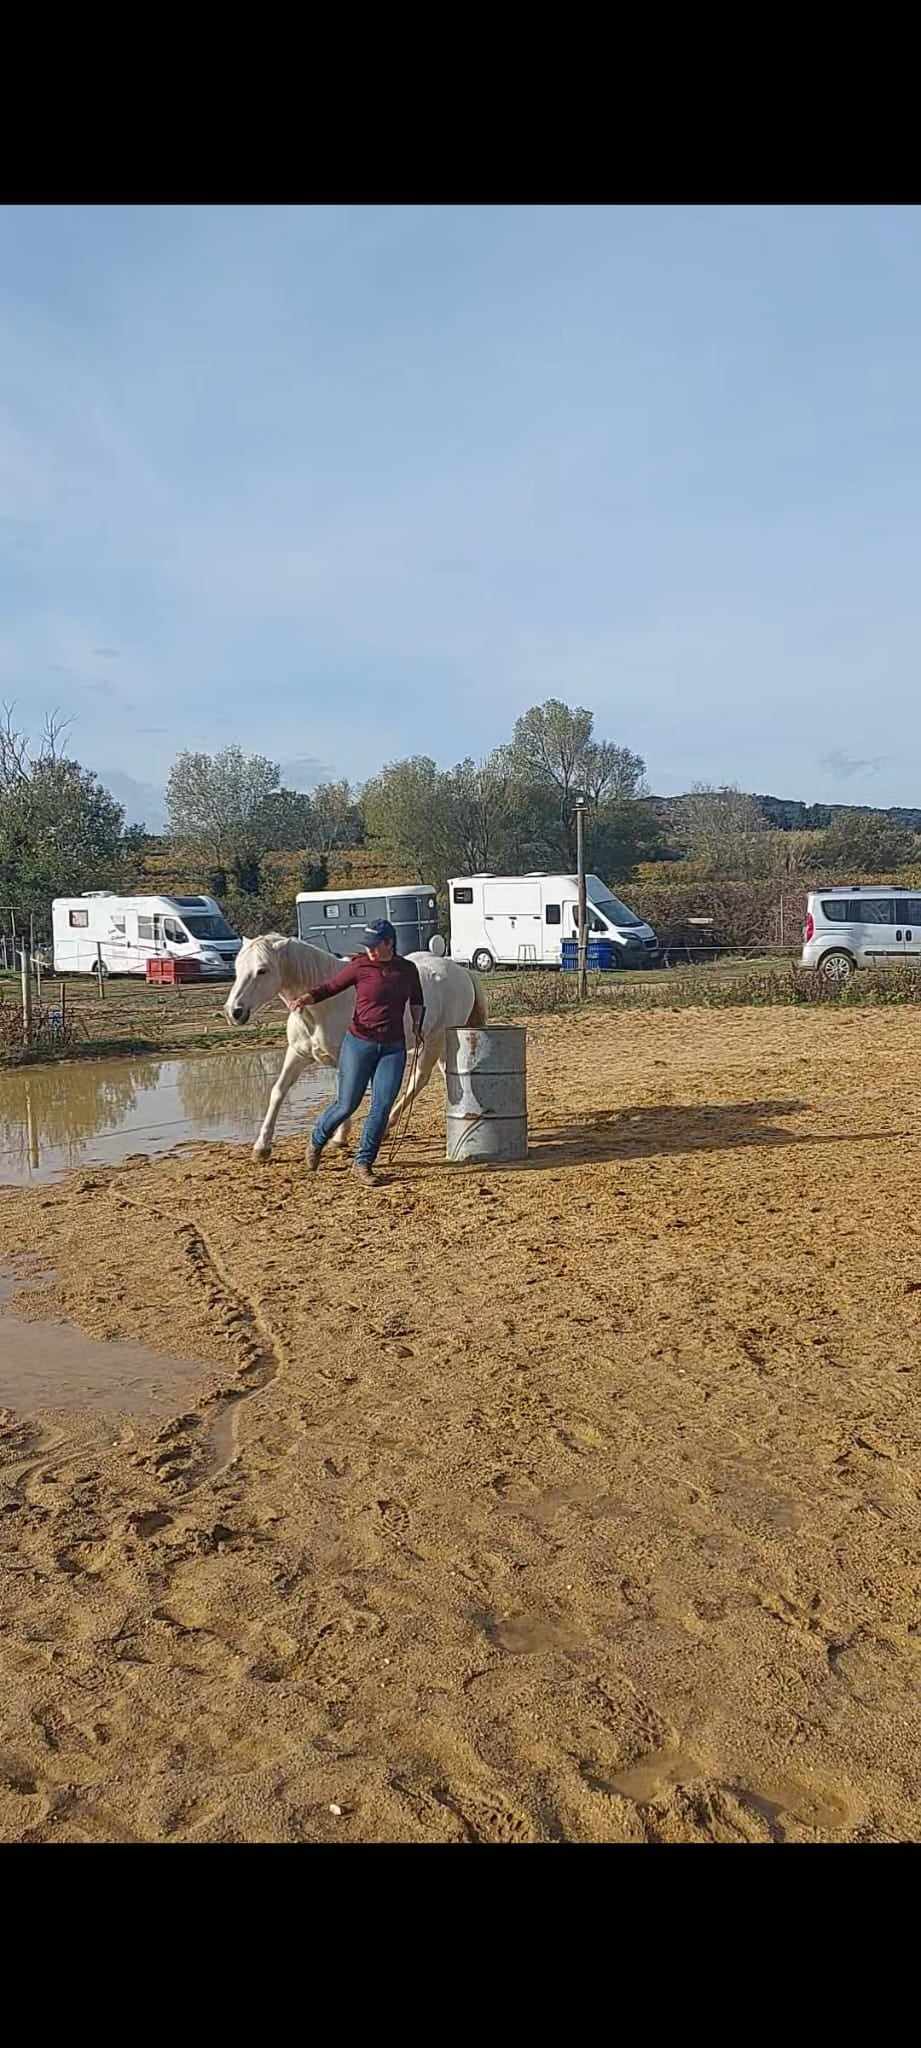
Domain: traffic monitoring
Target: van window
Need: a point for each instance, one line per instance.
(615, 911)
(118, 927)
(174, 932)
(330, 909)
(869, 910)
(911, 910)
(553, 913)
(463, 895)
(146, 929)
(79, 919)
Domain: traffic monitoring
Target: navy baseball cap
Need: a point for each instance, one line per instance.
(376, 933)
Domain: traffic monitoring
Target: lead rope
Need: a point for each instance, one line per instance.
(405, 1117)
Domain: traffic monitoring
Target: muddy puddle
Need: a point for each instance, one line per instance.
(97, 1112)
(53, 1366)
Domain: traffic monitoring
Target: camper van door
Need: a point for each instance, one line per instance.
(512, 914)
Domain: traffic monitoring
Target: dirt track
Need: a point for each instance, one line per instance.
(571, 1502)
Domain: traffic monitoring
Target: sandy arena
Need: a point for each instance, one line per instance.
(575, 1502)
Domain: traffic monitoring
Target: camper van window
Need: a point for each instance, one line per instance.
(175, 933)
(208, 924)
(357, 910)
(463, 895)
(615, 911)
(146, 929)
(118, 927)
(330, 909)
(79, 919)
(553, 913)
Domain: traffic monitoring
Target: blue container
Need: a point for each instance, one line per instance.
(600, 955)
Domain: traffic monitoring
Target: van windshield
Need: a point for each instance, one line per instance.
(615, 911)
(203, 924)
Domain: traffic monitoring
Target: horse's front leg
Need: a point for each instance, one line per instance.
(294, 1063)
(340, 1137)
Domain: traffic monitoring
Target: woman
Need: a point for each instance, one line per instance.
(374, 1047)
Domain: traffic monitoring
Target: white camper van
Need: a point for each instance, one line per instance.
(520, 921)
(124, 932)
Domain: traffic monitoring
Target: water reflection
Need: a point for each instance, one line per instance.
(55, 1118)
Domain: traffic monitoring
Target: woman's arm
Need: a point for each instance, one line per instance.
(346, 978)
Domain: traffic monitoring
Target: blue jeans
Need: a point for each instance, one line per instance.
(361, 1061)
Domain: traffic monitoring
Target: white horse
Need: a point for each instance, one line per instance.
(275, 966)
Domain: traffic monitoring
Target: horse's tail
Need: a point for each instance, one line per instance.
(478, 1013)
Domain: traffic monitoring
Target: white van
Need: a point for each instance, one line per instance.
(124, 932)
(521, 920)
(866, 927)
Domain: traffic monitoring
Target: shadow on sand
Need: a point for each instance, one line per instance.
(638, 1133)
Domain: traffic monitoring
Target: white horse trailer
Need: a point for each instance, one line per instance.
(521, 920)
(124, 932)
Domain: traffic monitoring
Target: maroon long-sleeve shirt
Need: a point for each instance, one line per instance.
(382, 990)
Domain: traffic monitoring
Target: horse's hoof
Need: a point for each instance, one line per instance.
(261, 1154)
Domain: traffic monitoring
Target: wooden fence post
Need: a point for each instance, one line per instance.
(26, 996)
(100, 977)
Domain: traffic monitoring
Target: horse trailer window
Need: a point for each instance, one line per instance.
(357, 910)
(79, 919)
(463, 895)
(911, 910)
(330, 909)
(405, 909)
(553, 913)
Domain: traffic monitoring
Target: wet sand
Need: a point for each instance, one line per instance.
(577, 1501)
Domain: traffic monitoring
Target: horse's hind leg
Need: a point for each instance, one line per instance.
(294, 1064)
(422, 1073)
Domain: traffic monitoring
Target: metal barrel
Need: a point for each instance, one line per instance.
(486, 1078)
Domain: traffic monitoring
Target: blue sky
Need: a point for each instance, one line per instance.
(348, 483)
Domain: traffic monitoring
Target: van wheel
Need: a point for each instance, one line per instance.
(837, 967)
(483, 962)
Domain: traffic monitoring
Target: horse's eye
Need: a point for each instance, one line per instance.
(262, 970)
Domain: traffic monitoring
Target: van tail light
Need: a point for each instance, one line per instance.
(808, 928)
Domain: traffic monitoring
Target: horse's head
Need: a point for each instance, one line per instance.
(258, 977)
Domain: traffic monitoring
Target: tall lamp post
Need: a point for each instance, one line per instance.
(583, 908)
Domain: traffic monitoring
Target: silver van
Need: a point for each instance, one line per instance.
(867, 927)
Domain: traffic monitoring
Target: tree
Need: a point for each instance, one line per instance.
(554, 755)
(216, 804)
(402, 811)
(284, 822)
(60, 831)
(337, 818)
(722, 829)
(866, 842)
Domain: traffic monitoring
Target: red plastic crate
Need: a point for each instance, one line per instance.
(171, 971)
